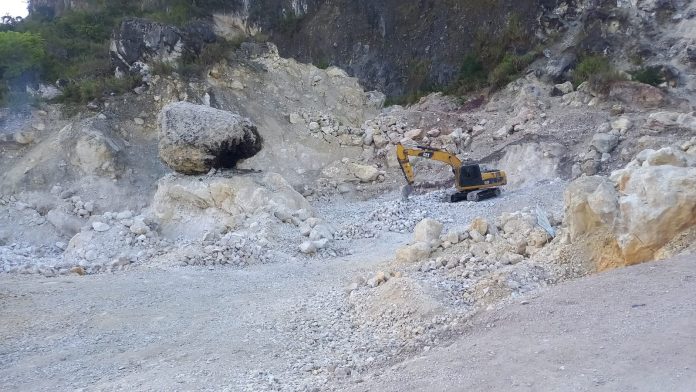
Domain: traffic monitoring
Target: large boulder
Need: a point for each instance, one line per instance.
(653, 215)
(195, 138)
(637, 94)
(640, 209)
(529, 163)
(665, 156)
(590, 202)
(662, 120)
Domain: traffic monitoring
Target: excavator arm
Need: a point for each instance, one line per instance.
(402, 154)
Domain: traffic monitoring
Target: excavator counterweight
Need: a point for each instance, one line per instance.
(471, 183)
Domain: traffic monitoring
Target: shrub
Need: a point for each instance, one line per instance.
(193, 65)
(509, 68)
(322, 63)
(472, 75)
(590, 66)
(94, 88)
(162, 68)
(19, 53)
(597, 71)
(495, 59)
(648, 75)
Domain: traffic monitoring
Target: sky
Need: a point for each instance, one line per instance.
(13, 7)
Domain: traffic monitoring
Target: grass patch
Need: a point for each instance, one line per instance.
(598, 71)
(192, 65)
(90, 89)
(322, 63)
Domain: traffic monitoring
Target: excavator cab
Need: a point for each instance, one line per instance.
(470, 175)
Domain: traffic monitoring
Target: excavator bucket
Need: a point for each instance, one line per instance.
(406, 191)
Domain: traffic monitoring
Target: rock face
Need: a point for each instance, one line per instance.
(91, 146)
(195, 138)
(531, 162)
(641, 208)
(139, 41)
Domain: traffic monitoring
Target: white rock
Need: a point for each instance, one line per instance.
(452, 237)
(100, 226)
(564, 88)
(321, 231)
(414, 134)
(139, 227)
(605, 142)
(413, 253)
(666, 156)
(295, 118)
(321, 244)
(24, 137)
(427, 231)
(124, 215)
(622, 124)
(308, 247)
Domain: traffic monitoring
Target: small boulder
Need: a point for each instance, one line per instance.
(100, 227)
(24, 137)
(414, 134)
(427, 231)
(139, 227)
(452, 237)
(605, 142)
(562, 89)
(321, 231)
(637, 94)
(308, 247)
(413, 253)
(480, 225)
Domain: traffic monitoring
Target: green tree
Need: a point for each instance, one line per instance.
(19, 53)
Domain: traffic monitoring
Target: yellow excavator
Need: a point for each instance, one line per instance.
(472, 183)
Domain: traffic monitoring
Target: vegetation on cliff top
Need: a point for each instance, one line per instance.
(75, 46)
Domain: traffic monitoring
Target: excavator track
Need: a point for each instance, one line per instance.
(479, 195)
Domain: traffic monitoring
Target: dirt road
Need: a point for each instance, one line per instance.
(632, 329)
(180, 329)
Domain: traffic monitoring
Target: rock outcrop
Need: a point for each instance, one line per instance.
(640, 208)
(195, 205)
(139, 42)
(195, 138)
